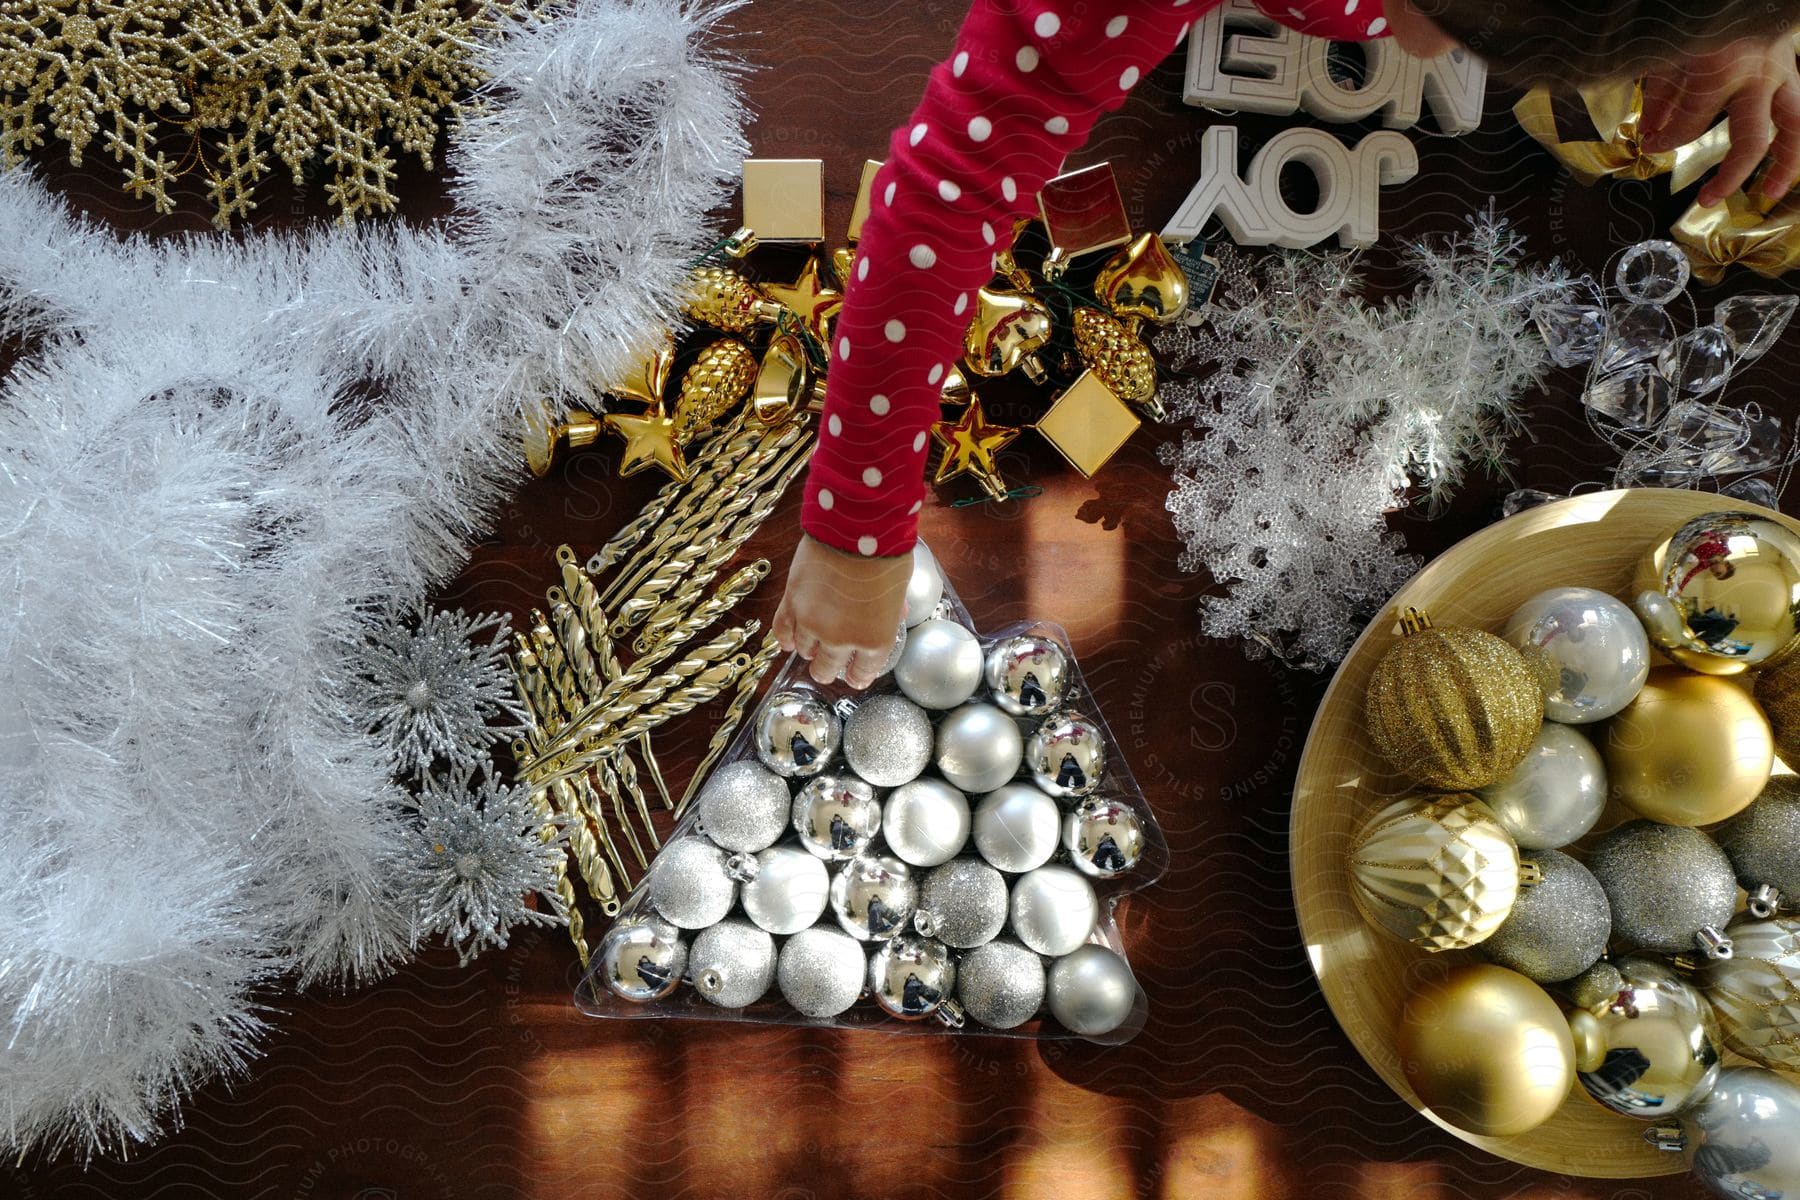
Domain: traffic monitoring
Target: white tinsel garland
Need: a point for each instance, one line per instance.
(203, 523)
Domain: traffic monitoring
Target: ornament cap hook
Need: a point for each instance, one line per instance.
(1667, 1138)
(1713, 944)
(1765, 901)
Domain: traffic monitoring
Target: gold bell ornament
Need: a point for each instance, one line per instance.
(785, 382)
(1452, 708)
(1486, 1050)
(1722, 593)
(1438, 871)
(1007, 330)
(1690, 750)
(1143, 281)
(542, 436)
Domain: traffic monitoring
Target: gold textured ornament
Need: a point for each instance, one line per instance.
(1116, 356)
(809, 298)
(542, 436)
(1007, 329)
(715, 384)
(1778, 693)
(1690, 750)
(1744, 230)
(1143, 280)
(1087, 424)
(1722, 593)
(1452, 708)
(1438, 871)
(1487, 1050)
(784, 380)
(970, 444)
(1756, 992)
(724, 299)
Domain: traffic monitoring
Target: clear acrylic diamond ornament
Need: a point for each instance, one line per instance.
(1697, 362)
(1753, 322)
(1709, 440)
(1636, 398)
(1634, 333)
(1653, 272)
(1571, 332)
(1755, 489)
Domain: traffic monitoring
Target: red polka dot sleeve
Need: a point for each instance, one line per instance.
(1025, 84)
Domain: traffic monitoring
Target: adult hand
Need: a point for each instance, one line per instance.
(1756, 83)
(841, 611)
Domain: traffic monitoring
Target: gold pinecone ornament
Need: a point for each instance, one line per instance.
(1111, 352)
(1438, 871)
(717, 383)
(1453, 709)
(724, 299)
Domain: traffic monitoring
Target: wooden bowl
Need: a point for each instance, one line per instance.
(1589, 541)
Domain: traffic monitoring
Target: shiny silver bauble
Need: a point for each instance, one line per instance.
(924, 587)
(911, 976)
(1017, 827)
(744, 806)
(1066, 755)
(874, 897)
(1053, 909)
(1555, 795)
(1650, 1050)
(836, 816)
(1091, 991)
(642, 958)
(887, 740)
(733, 963)
(1028, 674)
(821, 972)
(940, 666)
(1743, 1139)
(1104, 837)
(962, 904)
(925, 822)
(978, 747)
(1000, 984)
(797, 733)
(1588, 650)
(790, 891)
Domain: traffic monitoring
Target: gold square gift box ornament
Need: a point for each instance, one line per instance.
(784, 199)
(1088, 424)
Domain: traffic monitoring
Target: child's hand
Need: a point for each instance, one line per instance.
(841, 610)
(1755, 82)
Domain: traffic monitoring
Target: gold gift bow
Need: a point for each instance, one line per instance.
(1744, 229)
(1617, 110)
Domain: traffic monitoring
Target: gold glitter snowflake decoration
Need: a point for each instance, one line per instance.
(342, 84)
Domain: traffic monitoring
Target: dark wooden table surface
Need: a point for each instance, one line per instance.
(486, 1082)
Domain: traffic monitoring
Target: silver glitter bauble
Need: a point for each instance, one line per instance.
(924, 587)
(887, 740)
(797, 733)
(1756, 992)
(1001, 984)
(1555, 795)
(744, 806)
(690, 884)
(1104, 837)
(941, 665)
(821, 971)
(874, 897)
(1053, 910)
(911, 977)
(836, 816)
(1028, 674)
(1743, 1140)
(1091, 991)
(1763, 844)
(962, 903)
(1596, 985)
(1589, 650)
(925, 822)
(733, 963)
(1066, 755)
(1652, 1048)
(1017, 827)
(1558, 927)
(978, 747)
(1670, 888)
(642, 958)
(790, 891)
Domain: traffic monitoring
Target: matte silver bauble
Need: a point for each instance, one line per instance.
(797, 733)
(821, 971)
(1104, 837)
(978, 747)
(1588, 649)
(1558, 926)
(874, 897)
(1001, 984)
(690, 884)
(642, 958)
(925, 822)
(836, 816)
(1555, 795)
(744, 806)
(790, 891)
(1652, 1048)
(941, 665)
(924, 588)
(1053, 910)
(1028, 674)
(1066, 755)
(911, 976)
(733, 963)
(1670, 888)
(1091, 991)
(1743, 1140)
(1017, 827)
(962, 903)
(887, 740)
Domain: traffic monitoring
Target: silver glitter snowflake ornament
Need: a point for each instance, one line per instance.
(438, 692)
(481, 851)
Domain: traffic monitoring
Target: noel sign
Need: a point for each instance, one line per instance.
(1240, 59)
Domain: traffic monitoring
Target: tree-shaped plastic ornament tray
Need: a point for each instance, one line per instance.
(595, 997)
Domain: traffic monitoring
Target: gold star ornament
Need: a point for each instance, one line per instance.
(649, 441)
(970, 444)
(811, 299)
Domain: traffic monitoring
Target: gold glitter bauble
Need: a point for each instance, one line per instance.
(1454, 709)
(1120, 360)
(1487, 1050)
(717, 383)
(1439, 871)
(1690, 750)
(1722, 594)
(1778, 691)
(1756, 992)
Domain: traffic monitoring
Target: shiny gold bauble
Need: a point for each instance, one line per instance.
(1007, 328)
(1690, 750)
(1439, 871)
(1778, 691)
(1143, 280)
(718, 381)
(1722, 594)
(1487, 1050)
(1454, 709)
(1115, 356)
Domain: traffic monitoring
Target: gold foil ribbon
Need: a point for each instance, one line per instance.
(1744, 229)
(1616, 109)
